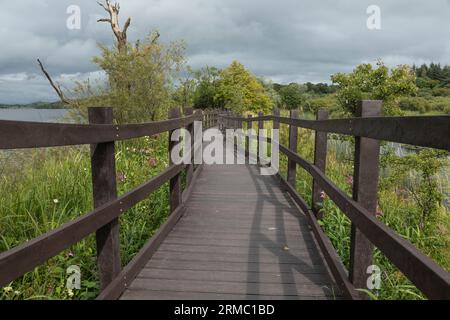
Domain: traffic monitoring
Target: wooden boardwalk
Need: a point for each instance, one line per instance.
(231, 232)
(241, 237)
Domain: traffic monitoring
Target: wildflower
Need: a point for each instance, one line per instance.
(379, 212)
(7, 289)
(349, 180)
(16, 292)
(152, 162)
(322, 195)
(70, 254)
(70, 292)
(55, 201)
(121, 177)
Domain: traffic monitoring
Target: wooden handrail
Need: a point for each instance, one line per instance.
(21, 134)
(24, 134)
(426, 131)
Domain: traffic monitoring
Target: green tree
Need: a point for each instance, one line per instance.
(239, 91)
(139, 81)
(380, 83)
(207, 83)
(293, 95)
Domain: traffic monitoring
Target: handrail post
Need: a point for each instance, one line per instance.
(293, 140)
(247, 140)
(320, 160)
(275, 126)
(105, 190)
(175, 182)
(365, 185)
(190, 129)
(260, 138)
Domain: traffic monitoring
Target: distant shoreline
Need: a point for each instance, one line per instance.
(35, 105)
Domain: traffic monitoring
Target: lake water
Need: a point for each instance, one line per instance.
(38, 115)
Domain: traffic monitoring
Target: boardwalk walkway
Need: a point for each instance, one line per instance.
(241, 237)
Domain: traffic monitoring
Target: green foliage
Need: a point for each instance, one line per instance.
(139, 80)
(42, 189)
(207, 84)
(293, 95)
(425, 192)
(380, 83)
(239, 91)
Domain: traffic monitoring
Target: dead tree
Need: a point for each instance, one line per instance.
(56, 86)
(113, 20)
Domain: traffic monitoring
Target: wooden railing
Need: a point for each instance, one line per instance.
(368, 129)
(101, 134)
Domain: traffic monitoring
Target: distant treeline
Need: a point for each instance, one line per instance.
(35, 105)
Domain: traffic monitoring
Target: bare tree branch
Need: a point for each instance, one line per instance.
(55, 86)
(127, 24)
(121, 35)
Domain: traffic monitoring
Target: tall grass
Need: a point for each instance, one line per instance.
(42, 189)
(395, 210)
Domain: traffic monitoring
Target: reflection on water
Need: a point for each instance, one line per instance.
(39, 115)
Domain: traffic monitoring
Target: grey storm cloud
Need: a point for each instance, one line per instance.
(285, 40)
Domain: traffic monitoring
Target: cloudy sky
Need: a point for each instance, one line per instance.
(285, 40)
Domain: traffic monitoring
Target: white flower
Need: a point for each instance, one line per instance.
(17, 292)
(7, 289)
(70, 292)
(55, 201)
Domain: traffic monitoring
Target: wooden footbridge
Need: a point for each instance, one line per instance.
(233, 233)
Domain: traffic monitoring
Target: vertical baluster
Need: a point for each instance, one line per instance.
(293, 139)
(365, 184)
(104, 190)
(260, 138)
(175, 182)
(320, 158)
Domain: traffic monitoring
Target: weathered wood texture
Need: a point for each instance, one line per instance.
(241, 237)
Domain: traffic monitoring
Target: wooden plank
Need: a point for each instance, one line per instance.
(424, 131)
(25, 134)
(276, 289)
(233, 276)
(104, 188)
(236, 257)
(174, 264)
(186, 295)
(265, 243)
(255, 250)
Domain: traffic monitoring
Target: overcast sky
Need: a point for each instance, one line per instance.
(285, 40)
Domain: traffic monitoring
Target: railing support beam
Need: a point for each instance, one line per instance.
(365, 185)
(320, 159)
(105, 190)
(293, 140)
(175, 182)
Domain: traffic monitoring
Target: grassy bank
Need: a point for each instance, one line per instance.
(42, 189)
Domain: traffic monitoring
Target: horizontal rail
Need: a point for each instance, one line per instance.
(23, 134)
(430, 278)
(423, 131)
(25, 257)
